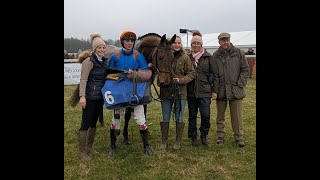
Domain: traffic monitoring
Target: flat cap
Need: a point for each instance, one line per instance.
(223, 35)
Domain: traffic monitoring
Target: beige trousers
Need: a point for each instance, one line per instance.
(236, 118)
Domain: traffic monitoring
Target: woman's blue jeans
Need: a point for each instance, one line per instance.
(167, 107)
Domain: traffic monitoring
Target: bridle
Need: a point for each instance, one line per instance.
(157, 69)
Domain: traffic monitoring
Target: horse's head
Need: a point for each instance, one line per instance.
(157, 50)
(162, 60)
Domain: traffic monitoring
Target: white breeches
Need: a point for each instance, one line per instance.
(138, 116)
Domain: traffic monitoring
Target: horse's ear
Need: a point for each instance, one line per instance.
(173, 39)
(163, 39)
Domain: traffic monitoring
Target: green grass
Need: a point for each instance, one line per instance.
(212, 162)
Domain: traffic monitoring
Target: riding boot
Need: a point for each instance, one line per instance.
(90, 139)
(164, 134)
(125, 139)
(82, 146)
(145, 137)
(179, 132)
(113, 139)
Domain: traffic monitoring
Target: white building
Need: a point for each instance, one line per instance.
(242, 40)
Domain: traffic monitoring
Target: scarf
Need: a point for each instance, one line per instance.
(197, 55)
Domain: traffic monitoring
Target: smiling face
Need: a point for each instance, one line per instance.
(128, 43)
(196, 47)
(224, 43)
(100, 50)
(176, 46)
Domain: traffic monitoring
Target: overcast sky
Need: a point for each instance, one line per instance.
(111, 17)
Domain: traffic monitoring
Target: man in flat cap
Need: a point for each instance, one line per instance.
(231, 75)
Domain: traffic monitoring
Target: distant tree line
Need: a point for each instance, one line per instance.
(73, 45)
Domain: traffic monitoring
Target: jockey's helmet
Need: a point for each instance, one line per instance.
(128, 34)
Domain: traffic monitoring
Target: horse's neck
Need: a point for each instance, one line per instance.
(153, 55)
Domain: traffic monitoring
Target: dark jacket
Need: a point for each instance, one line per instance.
(181, 68)
(96, 78)
(200, 87)
(231, 73)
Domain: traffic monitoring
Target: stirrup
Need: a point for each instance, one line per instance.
(134, 100)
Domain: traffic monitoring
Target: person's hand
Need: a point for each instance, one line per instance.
(214, 96)
(83, 102)
(150, 65)
(176, 80)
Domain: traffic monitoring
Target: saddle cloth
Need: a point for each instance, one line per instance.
(120, 94)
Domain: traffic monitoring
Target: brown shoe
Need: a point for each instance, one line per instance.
(240, 143)
(220, 140)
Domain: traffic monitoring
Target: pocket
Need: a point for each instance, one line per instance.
(238, 92)
(205, 86)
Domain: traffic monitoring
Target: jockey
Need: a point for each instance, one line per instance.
(128, 61)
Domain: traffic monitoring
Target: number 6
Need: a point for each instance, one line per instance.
(109, 98)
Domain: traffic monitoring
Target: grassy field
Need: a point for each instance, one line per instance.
(212, 162)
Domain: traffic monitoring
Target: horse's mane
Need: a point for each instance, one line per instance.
(147, 44)
(147, 35)
(150, 40)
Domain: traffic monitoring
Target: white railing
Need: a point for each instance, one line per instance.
(248, 56)
(71, 60)
(72, 71)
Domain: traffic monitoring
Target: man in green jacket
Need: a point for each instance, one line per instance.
(231, 75)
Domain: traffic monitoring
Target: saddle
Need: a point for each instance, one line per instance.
(140, 75)
(137, 76)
